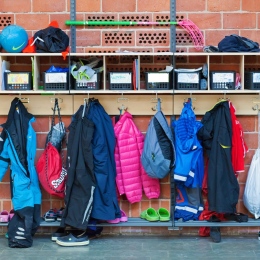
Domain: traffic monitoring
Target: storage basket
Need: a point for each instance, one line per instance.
(222, 80)
(120, 81)
(252, 80)
(56, 80)
(158, 80)
(187, 80)
(88, 84)
(18, 80)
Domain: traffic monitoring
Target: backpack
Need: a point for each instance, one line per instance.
(158, 156)
(51, 39)
(236, 43)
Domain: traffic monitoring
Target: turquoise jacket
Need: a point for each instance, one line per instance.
(17, 151)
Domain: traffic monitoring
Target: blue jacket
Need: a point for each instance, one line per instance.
(105, 204)
(17, 150)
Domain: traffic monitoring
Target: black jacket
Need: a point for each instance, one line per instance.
(216, 136)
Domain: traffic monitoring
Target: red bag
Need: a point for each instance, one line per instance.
(51, 173)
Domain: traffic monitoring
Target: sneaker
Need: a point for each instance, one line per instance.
(60, 232)
(215, 234)
(71, 240)
(50, 216)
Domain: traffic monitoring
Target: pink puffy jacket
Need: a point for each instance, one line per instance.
(131, 179)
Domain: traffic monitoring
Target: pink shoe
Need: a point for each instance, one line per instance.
(124, 217)
(11, 214)
(114, 221)
(4, 216)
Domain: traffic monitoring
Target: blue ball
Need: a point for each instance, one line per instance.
(13, 38)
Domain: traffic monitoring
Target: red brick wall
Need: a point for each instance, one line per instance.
(215, 18)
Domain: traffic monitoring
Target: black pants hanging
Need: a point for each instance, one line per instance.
(80, 184)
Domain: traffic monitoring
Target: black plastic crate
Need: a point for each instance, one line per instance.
(120, 81)
(55, 80)
(158, 80)
(222, 80)
(252, 80)
(187, 80)
(92, 84)
(18, 80)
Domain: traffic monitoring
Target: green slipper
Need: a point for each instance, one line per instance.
(150, 214)
(164, 214)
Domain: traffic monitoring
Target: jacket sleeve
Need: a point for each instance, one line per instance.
(4, 158)
(151, 186)
(119, 180)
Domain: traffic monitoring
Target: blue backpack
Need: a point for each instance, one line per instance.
(158, 156)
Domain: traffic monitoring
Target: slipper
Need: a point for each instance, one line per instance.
(50, 216)
(164, 214)
(124, 217)
(11, 214)
(59, 214)
(4, 216)
(239, 217)
(150, 214)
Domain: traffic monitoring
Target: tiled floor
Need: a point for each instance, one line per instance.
(138, 247)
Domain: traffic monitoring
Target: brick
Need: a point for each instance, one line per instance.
(118, 6)
(152, 38)
(213, 37)
(239, 21)
(165, 191)
(5, 191)
(248, 123)
(41, 140)
(61, 18)
(7, 205)
(142, 122)
(86, 6)
(251, 140)
(206, 20)
(41, 124)
(12, 6)
(135, 212)
(154, 6)
(250, 6)
(190, 6)
(37, 21)
(48, 6)
(223, 5)
(88, 37)
(115, 38)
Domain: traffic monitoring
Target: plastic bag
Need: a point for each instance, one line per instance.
(251, 195)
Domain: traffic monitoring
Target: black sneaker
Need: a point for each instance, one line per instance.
(60, 232)
(215, 234)
(71, 240)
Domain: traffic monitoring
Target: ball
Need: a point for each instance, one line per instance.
(13, 38)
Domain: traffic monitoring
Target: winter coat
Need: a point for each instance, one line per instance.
(216, 136)
(80, 184)
(17, 150)
(105, 204)
(131, 178)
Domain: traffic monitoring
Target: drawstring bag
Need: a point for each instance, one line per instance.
(51, 172)
(251, 195)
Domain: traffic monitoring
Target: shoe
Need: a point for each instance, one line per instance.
(4, 216)
(59, 214)
(124, 217)
(114, 221)
(60, 232)
(11, 214)
(164, 214)
(71, 240)
(239, 217)
(150, 214)
(215, 234)
(50, 216)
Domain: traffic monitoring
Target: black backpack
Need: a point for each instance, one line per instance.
(51, 39)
